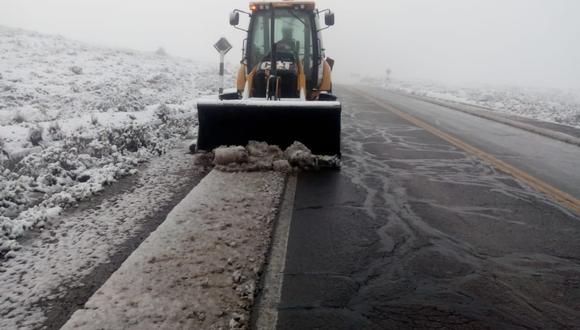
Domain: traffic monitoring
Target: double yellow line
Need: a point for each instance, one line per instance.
(557, 195)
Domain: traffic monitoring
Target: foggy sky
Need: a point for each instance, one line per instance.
(514, 42)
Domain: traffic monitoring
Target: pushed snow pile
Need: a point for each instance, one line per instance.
(299, 156)
(228, 155)
(260, 156)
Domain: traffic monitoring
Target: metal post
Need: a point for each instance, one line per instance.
(223, 47)
(273, 68)
(222, 57)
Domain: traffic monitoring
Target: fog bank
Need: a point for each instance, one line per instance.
(516, 42)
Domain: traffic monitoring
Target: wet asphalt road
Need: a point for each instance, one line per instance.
(555, 162)
(413, 233)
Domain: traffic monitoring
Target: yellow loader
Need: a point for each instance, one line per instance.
(284, 85)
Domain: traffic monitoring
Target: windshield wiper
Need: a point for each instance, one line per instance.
(296, 16)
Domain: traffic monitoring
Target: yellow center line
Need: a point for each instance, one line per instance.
(557, 195)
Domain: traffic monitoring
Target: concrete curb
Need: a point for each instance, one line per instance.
(562, 137)
(199, 269)
(266, 307)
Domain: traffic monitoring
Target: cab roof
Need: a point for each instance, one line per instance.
(297, 5)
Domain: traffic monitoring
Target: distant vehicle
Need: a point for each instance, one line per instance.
(284, 84)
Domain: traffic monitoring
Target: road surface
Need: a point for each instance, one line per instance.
(423, 227)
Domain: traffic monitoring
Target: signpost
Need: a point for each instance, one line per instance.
(223, 46)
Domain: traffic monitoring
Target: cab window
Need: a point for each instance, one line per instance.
(293, 34)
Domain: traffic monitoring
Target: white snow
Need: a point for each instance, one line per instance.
(550, 105)
(227, 155)
(260, 156)
(80, 240)
(300, 156)
(96, 113)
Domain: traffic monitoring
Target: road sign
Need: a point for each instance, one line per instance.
(223, 46)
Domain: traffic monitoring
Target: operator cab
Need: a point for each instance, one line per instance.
(294, 31)
(283, 53)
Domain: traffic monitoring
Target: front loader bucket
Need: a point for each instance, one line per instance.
(236, 122)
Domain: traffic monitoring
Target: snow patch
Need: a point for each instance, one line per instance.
(300, 156)
(260, 156)
(38, 275)
(549, 105)
(75, 118)
(230, 155)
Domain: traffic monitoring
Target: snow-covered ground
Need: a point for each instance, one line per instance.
(75, 118)
(53, 270)
(550, 105)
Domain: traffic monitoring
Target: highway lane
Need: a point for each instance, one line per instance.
(554, 162)
(415, 232)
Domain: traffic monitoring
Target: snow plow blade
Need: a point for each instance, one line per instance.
(236, 122)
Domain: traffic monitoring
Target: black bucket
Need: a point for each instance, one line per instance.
(316, 124)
